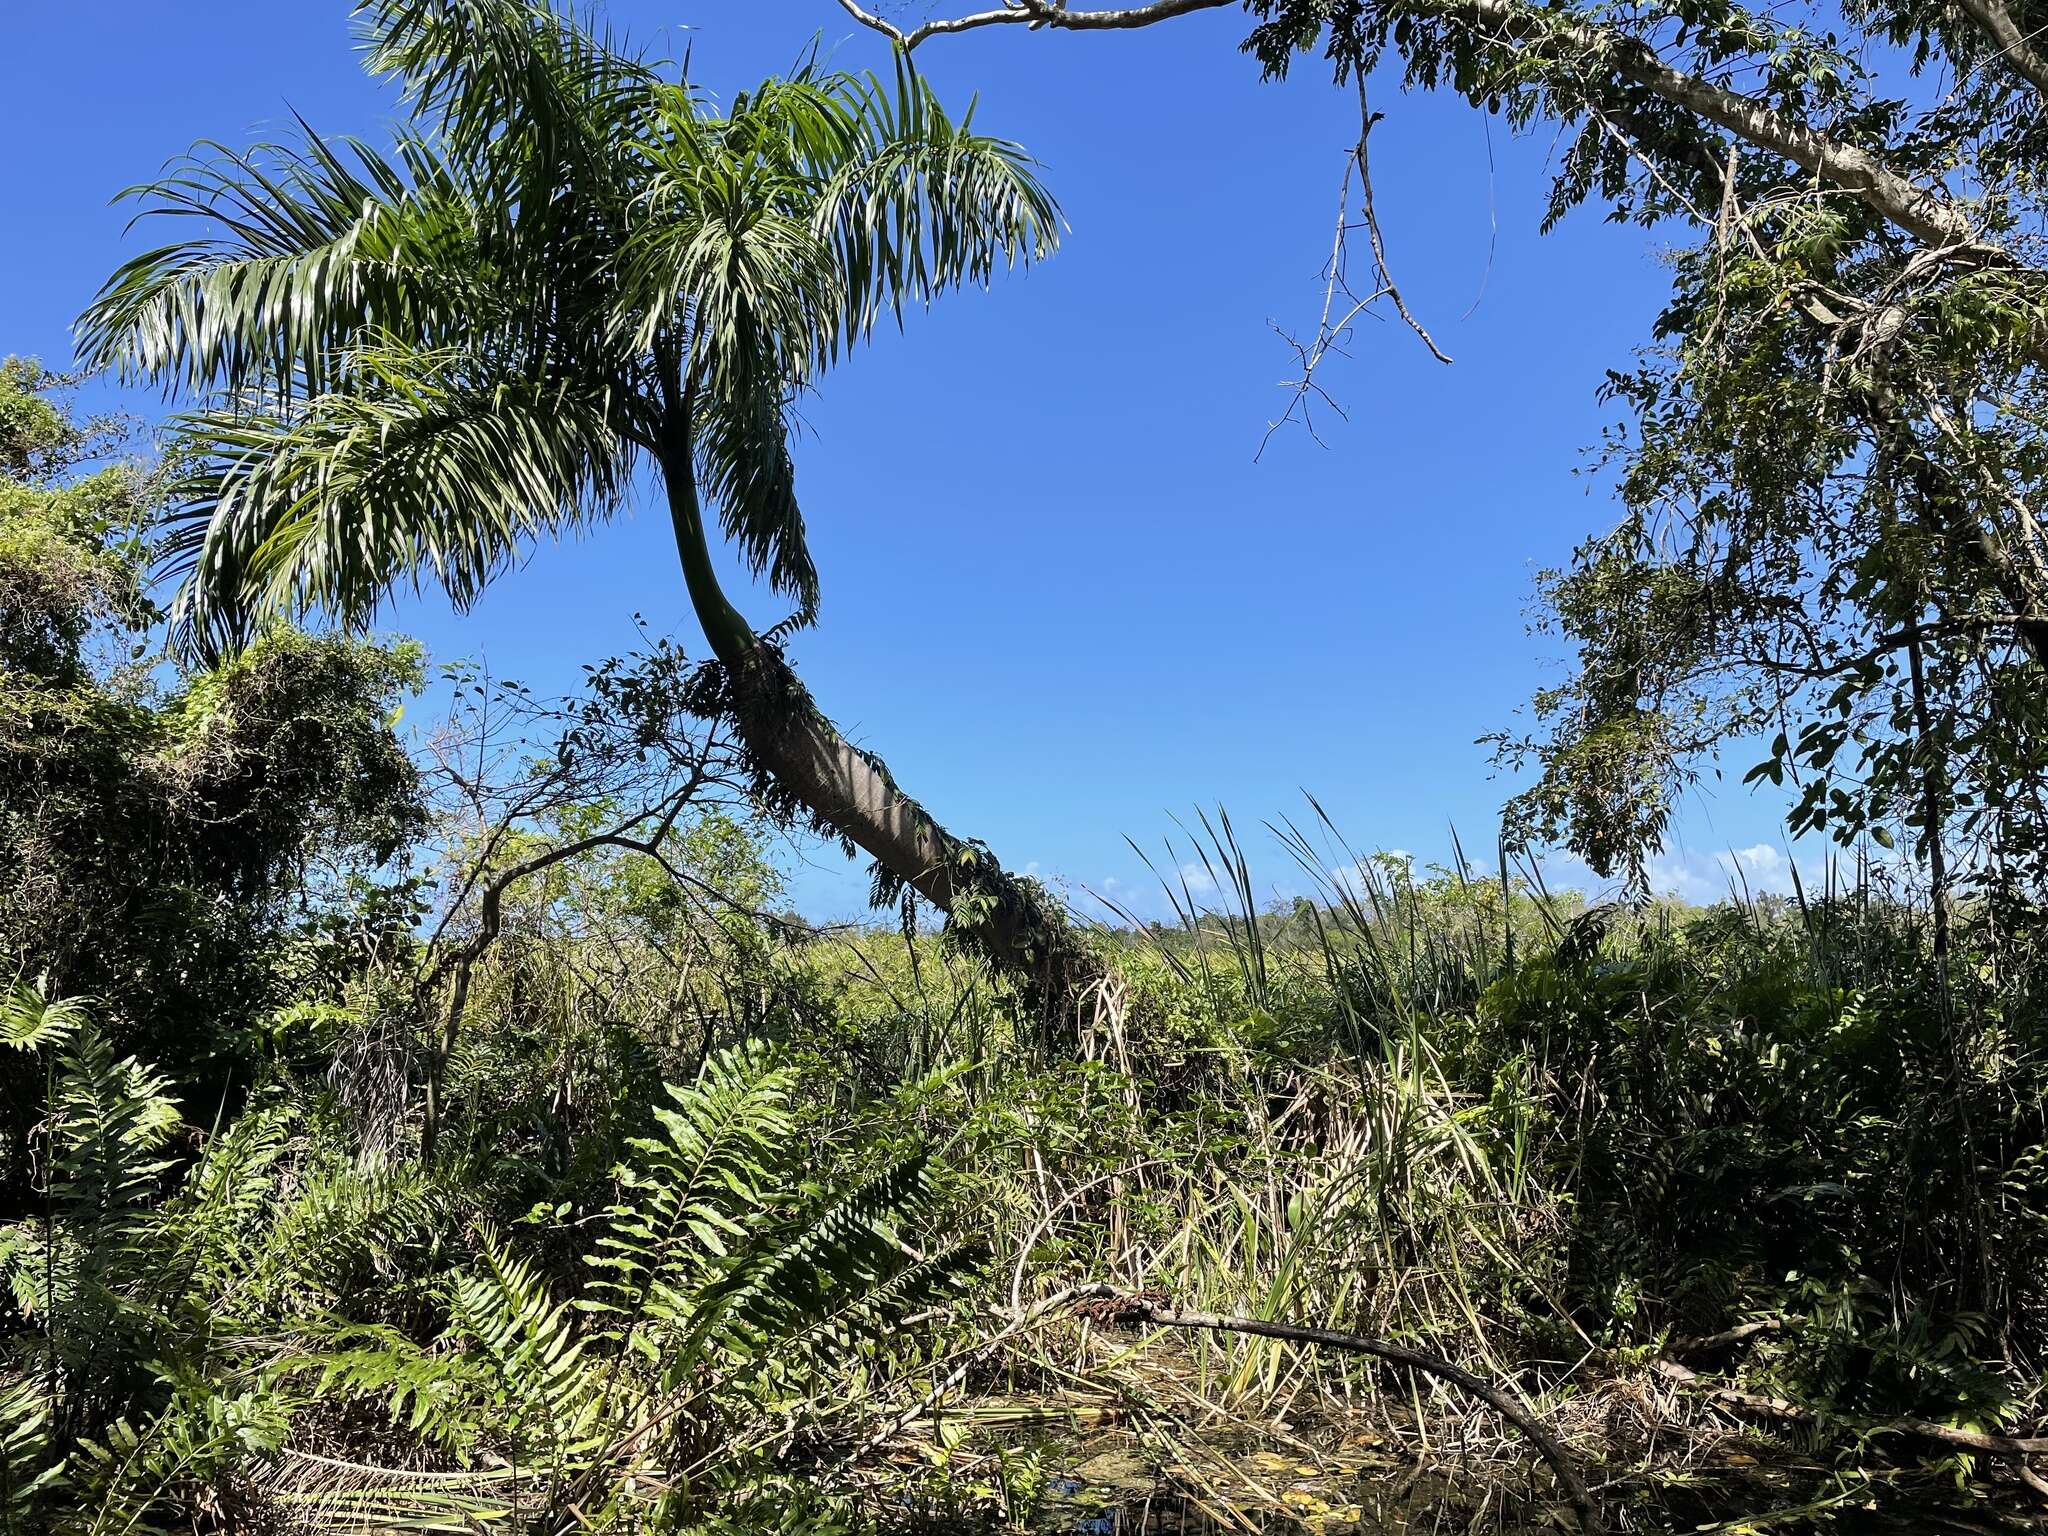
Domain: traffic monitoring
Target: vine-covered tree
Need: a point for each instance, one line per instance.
(409, 365)
(164, 835)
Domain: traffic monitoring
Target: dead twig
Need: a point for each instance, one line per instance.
(1343, 304)
(1366, 118)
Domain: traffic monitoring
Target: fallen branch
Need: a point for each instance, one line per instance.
(1107, 1304)
(1735, 1335)
(1778, 1408)
(988, 1346)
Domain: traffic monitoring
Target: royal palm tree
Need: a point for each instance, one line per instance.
(405, 367)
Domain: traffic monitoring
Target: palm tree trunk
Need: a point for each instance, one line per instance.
(804, 759)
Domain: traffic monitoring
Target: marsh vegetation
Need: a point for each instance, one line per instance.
(450, 1125)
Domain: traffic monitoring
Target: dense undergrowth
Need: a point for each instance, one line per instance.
(466, 1139)
(615, 1300)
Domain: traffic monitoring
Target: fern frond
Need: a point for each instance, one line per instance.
(841, 1277)
(30, 1471)
(528, 1340)
(23, 1248)
(345, 1224)
(29, 1021)
(112, 1119)
(218, 1214)
(433, 1394)
(691, 1192)
(110, 1123)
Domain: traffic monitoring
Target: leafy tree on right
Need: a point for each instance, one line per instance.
(1832, 450)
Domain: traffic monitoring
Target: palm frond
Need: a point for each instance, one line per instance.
(773, 238)
(516, 85)
(329, 1494)
(423, 470)
(744, 466)
(299, 251)
(407, 367)
(924, 203)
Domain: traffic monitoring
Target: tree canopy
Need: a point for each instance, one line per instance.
(1830, 455)
(408, 363)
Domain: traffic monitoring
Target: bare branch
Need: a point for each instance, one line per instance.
(1333, 328)
(1034, 14)
(1366, 119)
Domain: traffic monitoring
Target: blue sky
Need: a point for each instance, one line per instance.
(1062, 597)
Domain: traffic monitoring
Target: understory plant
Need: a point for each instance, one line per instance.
(277, 1333)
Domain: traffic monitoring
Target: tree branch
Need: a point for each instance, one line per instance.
(1035, 14)
(1914, 209)
(1366, 118)
(462, 961)
(2013, 46)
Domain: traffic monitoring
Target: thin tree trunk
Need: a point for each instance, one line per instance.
(491, 921)
(1934, 811)
(1933, 808)
(849, 792)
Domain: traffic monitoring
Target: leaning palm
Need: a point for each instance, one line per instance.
(408, 366)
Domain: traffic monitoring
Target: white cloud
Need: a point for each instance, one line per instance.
(1197, 879)
(1380, 871)
(1699, 876)
(1350, 879)
(1700, 879)
(1758, 856)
